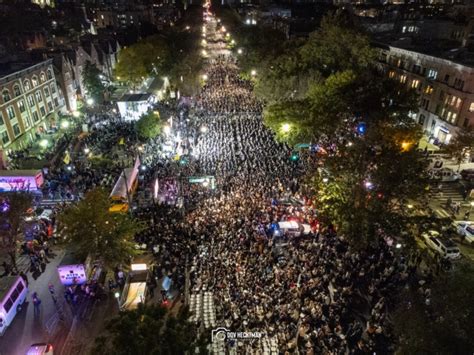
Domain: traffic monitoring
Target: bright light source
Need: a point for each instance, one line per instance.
(87, 150)
(325, 180)
(253, 72)
(69, 168)
(204, 53)
(138, 267)
(368, 184)
(205, 77)
(76, 114)
(44, 143)
(203, 42)
(64, 124)
(285, 127)
(167, 129)
(203, 129)
(223, 29)
(239, 51)
(188, 28)
(248, 22)
(232, 42)
(117, 295)
(398, 246)
(205, 183)
(405, 145)
(410, 206)
(472, 203)
(90, 101)
(143, 167)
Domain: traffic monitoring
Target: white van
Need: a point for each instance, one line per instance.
(13, 292)
(293, 228)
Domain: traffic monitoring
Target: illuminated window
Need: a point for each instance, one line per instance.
(42, 77)
(415, 84)
(391, 74)
(471, 107)
(403, 79)
(428, 90)
(432, 74)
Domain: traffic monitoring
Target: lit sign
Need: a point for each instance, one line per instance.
(72, 274)
(21, 183)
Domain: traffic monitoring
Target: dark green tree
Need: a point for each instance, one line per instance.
(92, 230)
(12, 220)
(93, 83)
(149, 125)
(149, 329)
(444, 326)
(462, 146)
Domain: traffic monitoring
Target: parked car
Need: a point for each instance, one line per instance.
(444, 175)
(445, 247)
(40, 349)
(466, 229)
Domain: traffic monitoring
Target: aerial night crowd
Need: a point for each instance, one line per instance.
(312, 292)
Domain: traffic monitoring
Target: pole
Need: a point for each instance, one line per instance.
(126, 189)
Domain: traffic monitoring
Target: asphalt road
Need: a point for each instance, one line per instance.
(26, 328)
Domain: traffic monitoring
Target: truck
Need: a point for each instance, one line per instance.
(135, 289)
(74, 270)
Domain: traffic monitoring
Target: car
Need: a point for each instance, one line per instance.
(40, 349)
(445, 247)
(444, 175)
(466, 229)
(294, 228)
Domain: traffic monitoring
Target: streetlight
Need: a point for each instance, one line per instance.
(205, 77)
(239, 51)
(285, 127)
(43, 143)
(325, 180)
(117, 296)
(253, 72)
(203, 129)
(87, 150)
(64, 124)
(232, 42)
(90, 101)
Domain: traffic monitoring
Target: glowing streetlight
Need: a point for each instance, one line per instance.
(205, 77)
(223, 29)
(64, 124)
(239, 51)
(43, 143)
(232, 42)
(253, 72)
(368, 185)
(203, 42)
(405, 146)
(325, 180)
(204, 53)
(285, 127)
(410, 206)
(76, 114)
(90, 101)
(248, 22)
(87, 150)
(188, 28)
(203, 129)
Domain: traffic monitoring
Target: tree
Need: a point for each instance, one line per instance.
(94, 85)
(93, 230)
(422, 329)
(461, 146)
(360, 122)
(137, 62)
(149, 125)
(13, 210)
(149, 329)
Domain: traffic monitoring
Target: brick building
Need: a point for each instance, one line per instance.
(30, 100)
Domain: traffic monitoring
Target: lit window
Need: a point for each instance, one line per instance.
(471, 107)
(391, 74)
(428, 90)
(432, 74)
(42, 77)
(6, 95)
(415, 84)
(403, 79)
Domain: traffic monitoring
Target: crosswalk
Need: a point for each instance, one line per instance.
(448, 191)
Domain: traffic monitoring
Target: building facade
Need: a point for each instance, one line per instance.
(446, 90)
(29, 102)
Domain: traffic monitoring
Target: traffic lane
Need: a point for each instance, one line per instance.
(28, 328)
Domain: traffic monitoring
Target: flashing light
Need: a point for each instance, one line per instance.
(361, 128)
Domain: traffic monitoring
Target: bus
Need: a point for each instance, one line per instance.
(124, 189)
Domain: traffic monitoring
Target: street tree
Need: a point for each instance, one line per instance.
(359, 121)
(461, 146)
(149, 329)
(149, 125)
(421, 328)
(93, 82)
(150, 56)
(92, 230)
(13, 210)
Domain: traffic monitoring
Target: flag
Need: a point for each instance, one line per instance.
(67, 158)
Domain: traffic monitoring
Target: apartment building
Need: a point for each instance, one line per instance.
(29, 102)
(445, 86)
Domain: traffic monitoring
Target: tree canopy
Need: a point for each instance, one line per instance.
(149, 329)
(138, 61)
(149, 125)
(93, 83)
(328, 92)
(92, 229)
